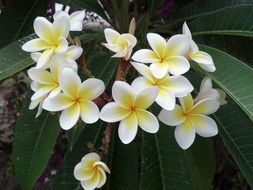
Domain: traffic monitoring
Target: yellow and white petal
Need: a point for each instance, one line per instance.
(62, 46)
(147, 121)
(44, 60)
(35, 103)
(69, 117)
(70, 82)
(123, 94)
(186, 30)
(91, 88)
(128, 55)
(193, 48)
(57, 103)
(102, 166)
(35, 56)
(112, 112)
(42, 92)
(81, 174)
(177, 45)
(111, 35)
(166, 99)
(121, 53)
(205, 106)
(89, 160)
(145, 56)
(204, 125)
(185, 134)
(40, 76)
(92, 183)
(180, 86)
(186, 103)
(159, 70)
(132, 41)
(140, 83)
(89, 112)
(143, 70)
(178, 65)
(102, 178)
(113, 47)
(61, 27)
(172, 117)
(55, 91)
(128, 128)
(74, 52)
(157, 43)
(146, 97)
(204, 60)
(35, 45)
(43, 28)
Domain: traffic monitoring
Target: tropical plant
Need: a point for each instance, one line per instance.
(151, 161)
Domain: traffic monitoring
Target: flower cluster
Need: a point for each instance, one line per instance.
(58, 87)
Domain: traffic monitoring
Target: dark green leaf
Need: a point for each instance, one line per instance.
(33, 144)
(231, 21)
(17, 19)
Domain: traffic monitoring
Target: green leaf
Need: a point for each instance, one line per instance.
(91, 5)
(13, 59)
(33, 144)
(231, 21)
(17, 19)
(234, 77)
(199, 8)
(124, 165)
(64, 178)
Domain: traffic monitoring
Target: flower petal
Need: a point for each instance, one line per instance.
(57, 103)
(112, 112)
(185, 134)
(206, 106)
(145, 56)
(42, 92)
(59, 14)
(69, 82)
(178, 65)
(111, 35)
(92, 183)
(62, 46)
(43, 28)
(61, 27)
(89, 160)
(157, 43)
(159, 70)
(204, 60)
(204, 125)
(113, 47)
(102, 178)
(166, 99)
(74, 52)
(186, 30)
(177, 45)
(81, 174)
(89, 112)
(44, 59)
(140, 83)
(147, 121)
(35, 56)
(123, 94)
(172, 117)
(40, 76)
(186, 103)
(76, 20)
(143, 70)
(102, 166)
(132, 41)
(146, 97)
(121, 53)
(180, 86)
(128, 128)
(69, 117)
(35, 45)
(91, 89)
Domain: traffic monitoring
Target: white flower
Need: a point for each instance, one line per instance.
(75, 19)
(130, 109)
(165, 56)
(76, 99)
(121, 44)
(52, 39)
(203, 59)
(91, 171)
(68, 57)
(170, 87)
(45, 84)
(191, 118)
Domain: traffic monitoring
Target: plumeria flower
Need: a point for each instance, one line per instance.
(52, 39)
(121, 44)
(91, 171)
(76, 99)
(190, 118)
(45, 84)
(130, 109)
(203, 59)
(165, 56)
(75, 19)
(170, 87)
(69, 57)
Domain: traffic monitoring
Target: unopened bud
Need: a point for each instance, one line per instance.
(132, 26)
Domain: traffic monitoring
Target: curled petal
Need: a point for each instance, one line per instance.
(146, 97)
(89, 112)
(69, 117)
(92, 183)
(102, 166)
(147, 121)
(128, 128)
(172, 117)
(89, 159)
(102, 178)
